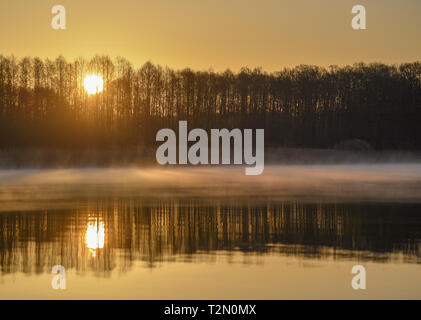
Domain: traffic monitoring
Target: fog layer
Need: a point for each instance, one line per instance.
(31, 189)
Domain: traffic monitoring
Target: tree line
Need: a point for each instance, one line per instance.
(43, 103)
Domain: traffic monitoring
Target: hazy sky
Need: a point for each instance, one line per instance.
(217, 34)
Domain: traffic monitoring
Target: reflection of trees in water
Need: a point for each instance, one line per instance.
(102, 235)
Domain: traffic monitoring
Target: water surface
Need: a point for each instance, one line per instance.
(294, 232)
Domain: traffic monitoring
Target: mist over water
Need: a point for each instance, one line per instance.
(27, 189)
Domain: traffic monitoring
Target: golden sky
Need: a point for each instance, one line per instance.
(217, 34)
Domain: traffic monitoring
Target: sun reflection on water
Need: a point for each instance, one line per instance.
(95, 236)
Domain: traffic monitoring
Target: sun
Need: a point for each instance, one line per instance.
(93, 84)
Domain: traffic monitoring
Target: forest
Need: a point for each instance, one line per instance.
(43, 103)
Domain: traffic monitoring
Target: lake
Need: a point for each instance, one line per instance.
(295, 232)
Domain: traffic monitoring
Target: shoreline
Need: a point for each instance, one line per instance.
(37, 158)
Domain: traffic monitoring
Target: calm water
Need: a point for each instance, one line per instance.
(294, 232)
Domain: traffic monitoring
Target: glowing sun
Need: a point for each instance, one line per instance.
(93, 84)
